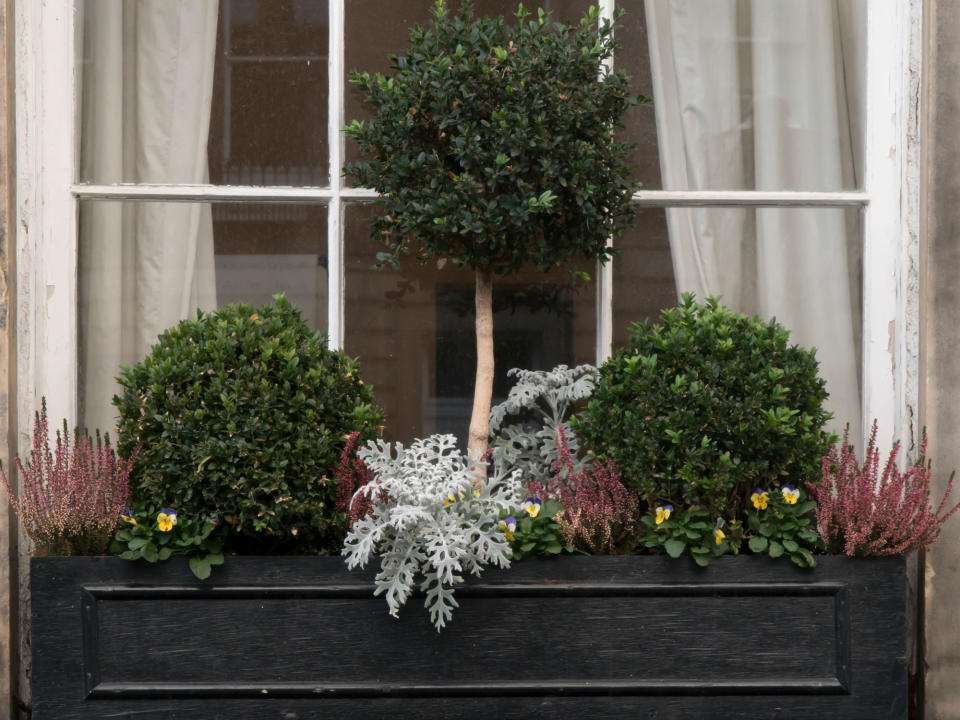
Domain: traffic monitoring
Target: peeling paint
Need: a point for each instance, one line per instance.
(892, 349)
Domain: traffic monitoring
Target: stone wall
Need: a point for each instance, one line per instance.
(940, 343)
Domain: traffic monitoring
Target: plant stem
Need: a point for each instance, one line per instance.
(483, 386)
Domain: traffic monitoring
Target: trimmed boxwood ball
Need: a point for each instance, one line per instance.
(706, 406)
(243, 412)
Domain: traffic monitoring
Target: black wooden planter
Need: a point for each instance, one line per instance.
(596, 637)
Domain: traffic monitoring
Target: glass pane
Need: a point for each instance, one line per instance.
(802, 266)
(377, 28)
(413, 331)
(747, 95)
(144, 266)
(230, 92)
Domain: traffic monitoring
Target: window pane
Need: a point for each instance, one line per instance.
(413, 331)
(376, 28)
(747, 95)
(230, 92)
(144, 266)
(802, 266)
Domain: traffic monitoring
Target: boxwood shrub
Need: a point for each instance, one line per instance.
(706, 406)
(243, 412)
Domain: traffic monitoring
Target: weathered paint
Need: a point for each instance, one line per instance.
(8, 533)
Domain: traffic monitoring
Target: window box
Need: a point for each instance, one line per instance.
(604, 637)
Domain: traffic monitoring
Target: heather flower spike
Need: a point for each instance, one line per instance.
(72, 496)
(600, 516)
(862, 510)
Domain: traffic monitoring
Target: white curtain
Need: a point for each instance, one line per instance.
(147, 87)
(756, 94)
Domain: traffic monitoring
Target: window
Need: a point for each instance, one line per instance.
(207, 170)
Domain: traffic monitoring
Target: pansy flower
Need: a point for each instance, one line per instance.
(451, 498)
(663, 513)
(166, 519)
(718, 535)
(214, 521)
(760, 498)
(790, 494)
(509, 525)
(127, 517)
(532, 505)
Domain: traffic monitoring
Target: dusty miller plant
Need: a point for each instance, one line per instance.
(431, 520)
(536, 408)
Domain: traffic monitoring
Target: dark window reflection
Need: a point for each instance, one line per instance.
(268, 123)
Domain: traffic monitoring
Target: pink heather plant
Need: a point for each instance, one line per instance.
(72, 498)
(600, 516)
(352, 474)
(861, 514)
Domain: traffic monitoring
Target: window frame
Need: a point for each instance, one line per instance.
(49, 193)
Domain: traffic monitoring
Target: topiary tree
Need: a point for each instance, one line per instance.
(705, 407)
(492, 146)
(243, 412)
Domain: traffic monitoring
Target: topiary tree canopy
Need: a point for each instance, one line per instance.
(492, 146)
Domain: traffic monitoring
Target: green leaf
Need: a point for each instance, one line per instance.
(674, 547)
(200, 567)
(776, 549)
(527, 546)
(790, 546)
(554, 548)
(164, 553)
(758, 544)
(137, 543)
(149, 552)
(702, 560)
(550, 508)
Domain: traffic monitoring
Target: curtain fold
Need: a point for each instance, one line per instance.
(147, 89)
(752, 94)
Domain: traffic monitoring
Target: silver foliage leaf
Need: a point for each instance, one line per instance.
(433, 517)
(536, 407)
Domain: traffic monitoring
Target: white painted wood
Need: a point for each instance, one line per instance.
(224, 193)
(891, 219)
(604, 271)
(749, 198)
(46, 242)
(335, 114)
(46, 224)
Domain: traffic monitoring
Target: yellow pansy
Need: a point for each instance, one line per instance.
(790, 494)
(760, 498)
(166, 519)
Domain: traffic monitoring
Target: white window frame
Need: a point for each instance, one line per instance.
(48, 195)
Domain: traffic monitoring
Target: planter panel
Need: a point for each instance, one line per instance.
(302, 638)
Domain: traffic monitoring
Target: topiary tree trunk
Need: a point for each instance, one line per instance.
(483, 384)
(491, 145)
